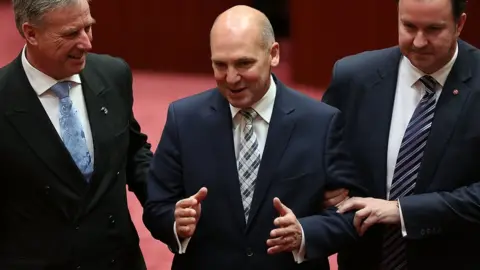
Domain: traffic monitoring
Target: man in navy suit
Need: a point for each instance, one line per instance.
(412, 126)
(231, 159)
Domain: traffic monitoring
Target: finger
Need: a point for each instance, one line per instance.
(360, 216)
(280, 207)
(334, 193)
(201, 195)
(186, 203)
(186, 221)
(275, 241)
(336, 201)
(285, 221)
(281, 232)
(185, 212)
(276, 249)
(367, 223)
(351, 204)
(185, 231)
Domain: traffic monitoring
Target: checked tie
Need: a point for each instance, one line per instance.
(406, 171)
(248, 160)
(71, 130)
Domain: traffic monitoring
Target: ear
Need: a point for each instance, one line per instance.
(275, 54)
(461, 23)
(30, 33)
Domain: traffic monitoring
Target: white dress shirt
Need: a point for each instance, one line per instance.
(407, 96)
(264, 108)
(42, 83)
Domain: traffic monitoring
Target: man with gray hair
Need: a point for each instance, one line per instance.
(70, 145)
(238, 176)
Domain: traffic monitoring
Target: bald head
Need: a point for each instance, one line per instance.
(242, 20)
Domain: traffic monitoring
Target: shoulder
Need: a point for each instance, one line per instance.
(365, 61)
(195, 103)
(104, 63)
(308, 106)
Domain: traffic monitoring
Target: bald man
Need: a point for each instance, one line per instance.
(222, 194)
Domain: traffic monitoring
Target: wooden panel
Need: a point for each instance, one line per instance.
(158, 35)
(325, 31)
(470, 33)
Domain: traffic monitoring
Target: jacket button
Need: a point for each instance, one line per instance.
(112, 220)
(249, 252)
(47, 189)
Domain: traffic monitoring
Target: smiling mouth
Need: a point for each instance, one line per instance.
(76, 57)
(237, 91)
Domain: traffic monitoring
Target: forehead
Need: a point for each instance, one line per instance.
(425, 10)
(230, 46)
(73, 15)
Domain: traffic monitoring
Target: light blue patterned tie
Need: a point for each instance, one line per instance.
(71, 130)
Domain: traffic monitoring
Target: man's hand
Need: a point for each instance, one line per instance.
(371, 211)
(288, 235)
(187, 214)
(335, 197)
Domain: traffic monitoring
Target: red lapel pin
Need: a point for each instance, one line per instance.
(455, 92)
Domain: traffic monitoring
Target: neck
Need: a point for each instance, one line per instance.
(35, 61)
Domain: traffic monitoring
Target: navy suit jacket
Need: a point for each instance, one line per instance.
(442, 218)
(302, 157)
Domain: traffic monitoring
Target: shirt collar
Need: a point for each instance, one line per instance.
(264, 107)
(39, 81)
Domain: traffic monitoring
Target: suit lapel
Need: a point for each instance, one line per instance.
(279, 132)
(28, 117)
(220, 132)
(448, 109)
(378, 115)
(95, 93)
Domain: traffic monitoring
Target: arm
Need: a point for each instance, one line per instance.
(327, 233)
(430, 214)
(139, 153)
(164, 186)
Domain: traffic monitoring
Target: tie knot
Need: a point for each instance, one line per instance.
(249, 114)
(61, 89)
(429, 83)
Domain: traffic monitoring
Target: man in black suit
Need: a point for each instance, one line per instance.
(231, 159)
(412, 126)
(69, 146)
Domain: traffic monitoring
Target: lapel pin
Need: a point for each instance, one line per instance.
(104, 110)
(455, 92)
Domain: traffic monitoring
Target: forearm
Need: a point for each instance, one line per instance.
(326, 234)
(436, 213)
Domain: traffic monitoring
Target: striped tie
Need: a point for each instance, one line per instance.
(406, 172)
(248, 160)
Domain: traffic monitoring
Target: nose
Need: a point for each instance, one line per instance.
(419, 41)
(85, 42)
(232, 76)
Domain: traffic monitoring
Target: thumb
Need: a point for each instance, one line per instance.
(200, 195)
(280, 207)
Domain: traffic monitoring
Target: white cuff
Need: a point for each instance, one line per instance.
(182, 247)
(404, 230)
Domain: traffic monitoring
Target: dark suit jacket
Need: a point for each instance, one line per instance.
(302, 156)
(442, 220)
(50, 217)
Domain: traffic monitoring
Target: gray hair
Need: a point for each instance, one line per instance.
(32, 11)
(268, 35)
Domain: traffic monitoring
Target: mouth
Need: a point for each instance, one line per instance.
(236, 91)
(76, 56)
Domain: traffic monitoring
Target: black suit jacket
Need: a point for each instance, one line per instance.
(442, 218)
(50, 217)
(302, 156)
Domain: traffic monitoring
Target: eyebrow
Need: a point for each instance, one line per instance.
(74, 29)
